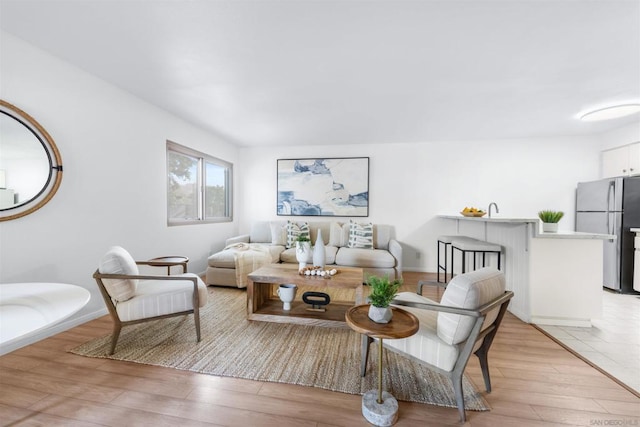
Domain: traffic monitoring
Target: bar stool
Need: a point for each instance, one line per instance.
(466, 246)
(444, 240)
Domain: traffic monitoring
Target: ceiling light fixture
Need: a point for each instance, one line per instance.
(612, 112)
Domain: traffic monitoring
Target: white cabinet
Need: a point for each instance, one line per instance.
(621, 161)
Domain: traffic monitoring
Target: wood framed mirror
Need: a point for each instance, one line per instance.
(30, 164)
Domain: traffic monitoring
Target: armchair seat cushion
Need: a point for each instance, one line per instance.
(425, 344)
(159, 297)
(365, 258)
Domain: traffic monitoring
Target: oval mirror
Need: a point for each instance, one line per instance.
(30, 164)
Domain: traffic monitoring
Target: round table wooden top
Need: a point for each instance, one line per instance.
(402, 325)
(168, 260)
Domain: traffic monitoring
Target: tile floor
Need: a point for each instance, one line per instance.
(613, 342)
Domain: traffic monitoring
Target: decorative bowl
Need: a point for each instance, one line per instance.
(473, 214)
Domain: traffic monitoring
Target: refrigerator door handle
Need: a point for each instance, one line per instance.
(612, 187)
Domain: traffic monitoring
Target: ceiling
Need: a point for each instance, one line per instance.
(278, 72)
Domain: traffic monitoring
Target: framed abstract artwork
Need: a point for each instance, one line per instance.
(323, 187)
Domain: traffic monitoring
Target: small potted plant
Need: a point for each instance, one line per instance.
(303, 250)
(550, 220)
(383, 291)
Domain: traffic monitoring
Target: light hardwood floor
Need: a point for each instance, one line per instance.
(535, 383)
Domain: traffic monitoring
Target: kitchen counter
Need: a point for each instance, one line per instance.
(556, 278)
(493, 219)
(575, 235)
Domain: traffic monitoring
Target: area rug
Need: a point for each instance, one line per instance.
(314, 356)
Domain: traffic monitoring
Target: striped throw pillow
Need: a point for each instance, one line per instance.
(360, 235)
(294, 230)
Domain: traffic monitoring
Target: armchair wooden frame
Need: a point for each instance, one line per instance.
(466, 347)
(118, 324)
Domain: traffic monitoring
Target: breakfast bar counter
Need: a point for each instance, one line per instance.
(556, 277)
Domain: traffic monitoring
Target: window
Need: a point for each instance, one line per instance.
(198, 187)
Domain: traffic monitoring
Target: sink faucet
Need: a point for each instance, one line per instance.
(493, 204)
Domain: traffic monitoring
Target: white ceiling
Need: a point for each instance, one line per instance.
(277, 72)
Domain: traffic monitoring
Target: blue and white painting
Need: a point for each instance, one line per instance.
(323, 187)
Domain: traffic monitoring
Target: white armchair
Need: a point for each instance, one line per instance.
(134, 298)
(465, 321)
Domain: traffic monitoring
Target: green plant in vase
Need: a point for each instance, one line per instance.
(383, 291)
(550, 220)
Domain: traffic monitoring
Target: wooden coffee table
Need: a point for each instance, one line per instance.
(263, 305)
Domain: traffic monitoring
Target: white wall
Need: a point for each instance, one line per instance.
(620, 136)
(113, 188)
(412, 183)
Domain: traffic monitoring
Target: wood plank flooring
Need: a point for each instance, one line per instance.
(535, 383)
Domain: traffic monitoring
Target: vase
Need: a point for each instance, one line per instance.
(318, 251)
(380, 314)
(303, 253)
(550, 227)
(287, 294)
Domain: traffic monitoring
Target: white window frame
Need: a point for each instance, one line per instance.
(203, 159)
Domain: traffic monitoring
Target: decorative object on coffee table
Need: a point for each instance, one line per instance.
(380, 407)
(303, 250)
(287, 294)
(318, 251)
(317, 300)
(382, 293)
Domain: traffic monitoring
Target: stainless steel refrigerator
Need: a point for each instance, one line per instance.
(612, 206)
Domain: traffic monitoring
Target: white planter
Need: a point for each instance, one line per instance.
(380, 314)
(550, 227)
(303, 253)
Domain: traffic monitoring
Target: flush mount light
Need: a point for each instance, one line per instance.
(612, 112)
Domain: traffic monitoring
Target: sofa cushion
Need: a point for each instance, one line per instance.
(226, 258)
(372, 258)
(118, 261)
(294, 230)
(360, 235)
(175, 296)
(260, 232)
(289, 255)
(425, 344)
(278, 233)
(338, 234)
(469, 290)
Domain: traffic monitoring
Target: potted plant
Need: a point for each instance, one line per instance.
(550, 220)
(303, 250)
(383, 291)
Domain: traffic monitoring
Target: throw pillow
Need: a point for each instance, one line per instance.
(118, 261)
(294, 230)
(360, 235)
(278, 233)
(336, 235)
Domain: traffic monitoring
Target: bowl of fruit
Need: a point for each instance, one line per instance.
(472, 212)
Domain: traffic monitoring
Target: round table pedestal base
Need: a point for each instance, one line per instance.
(383, 414)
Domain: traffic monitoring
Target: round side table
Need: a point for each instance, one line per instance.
(170, 261)
(378, 407)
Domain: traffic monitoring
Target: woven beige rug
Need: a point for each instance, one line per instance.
(313, 356)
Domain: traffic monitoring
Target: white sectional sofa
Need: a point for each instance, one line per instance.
(383, 259)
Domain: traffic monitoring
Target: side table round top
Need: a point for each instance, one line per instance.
(402, 325)
(166, 260)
